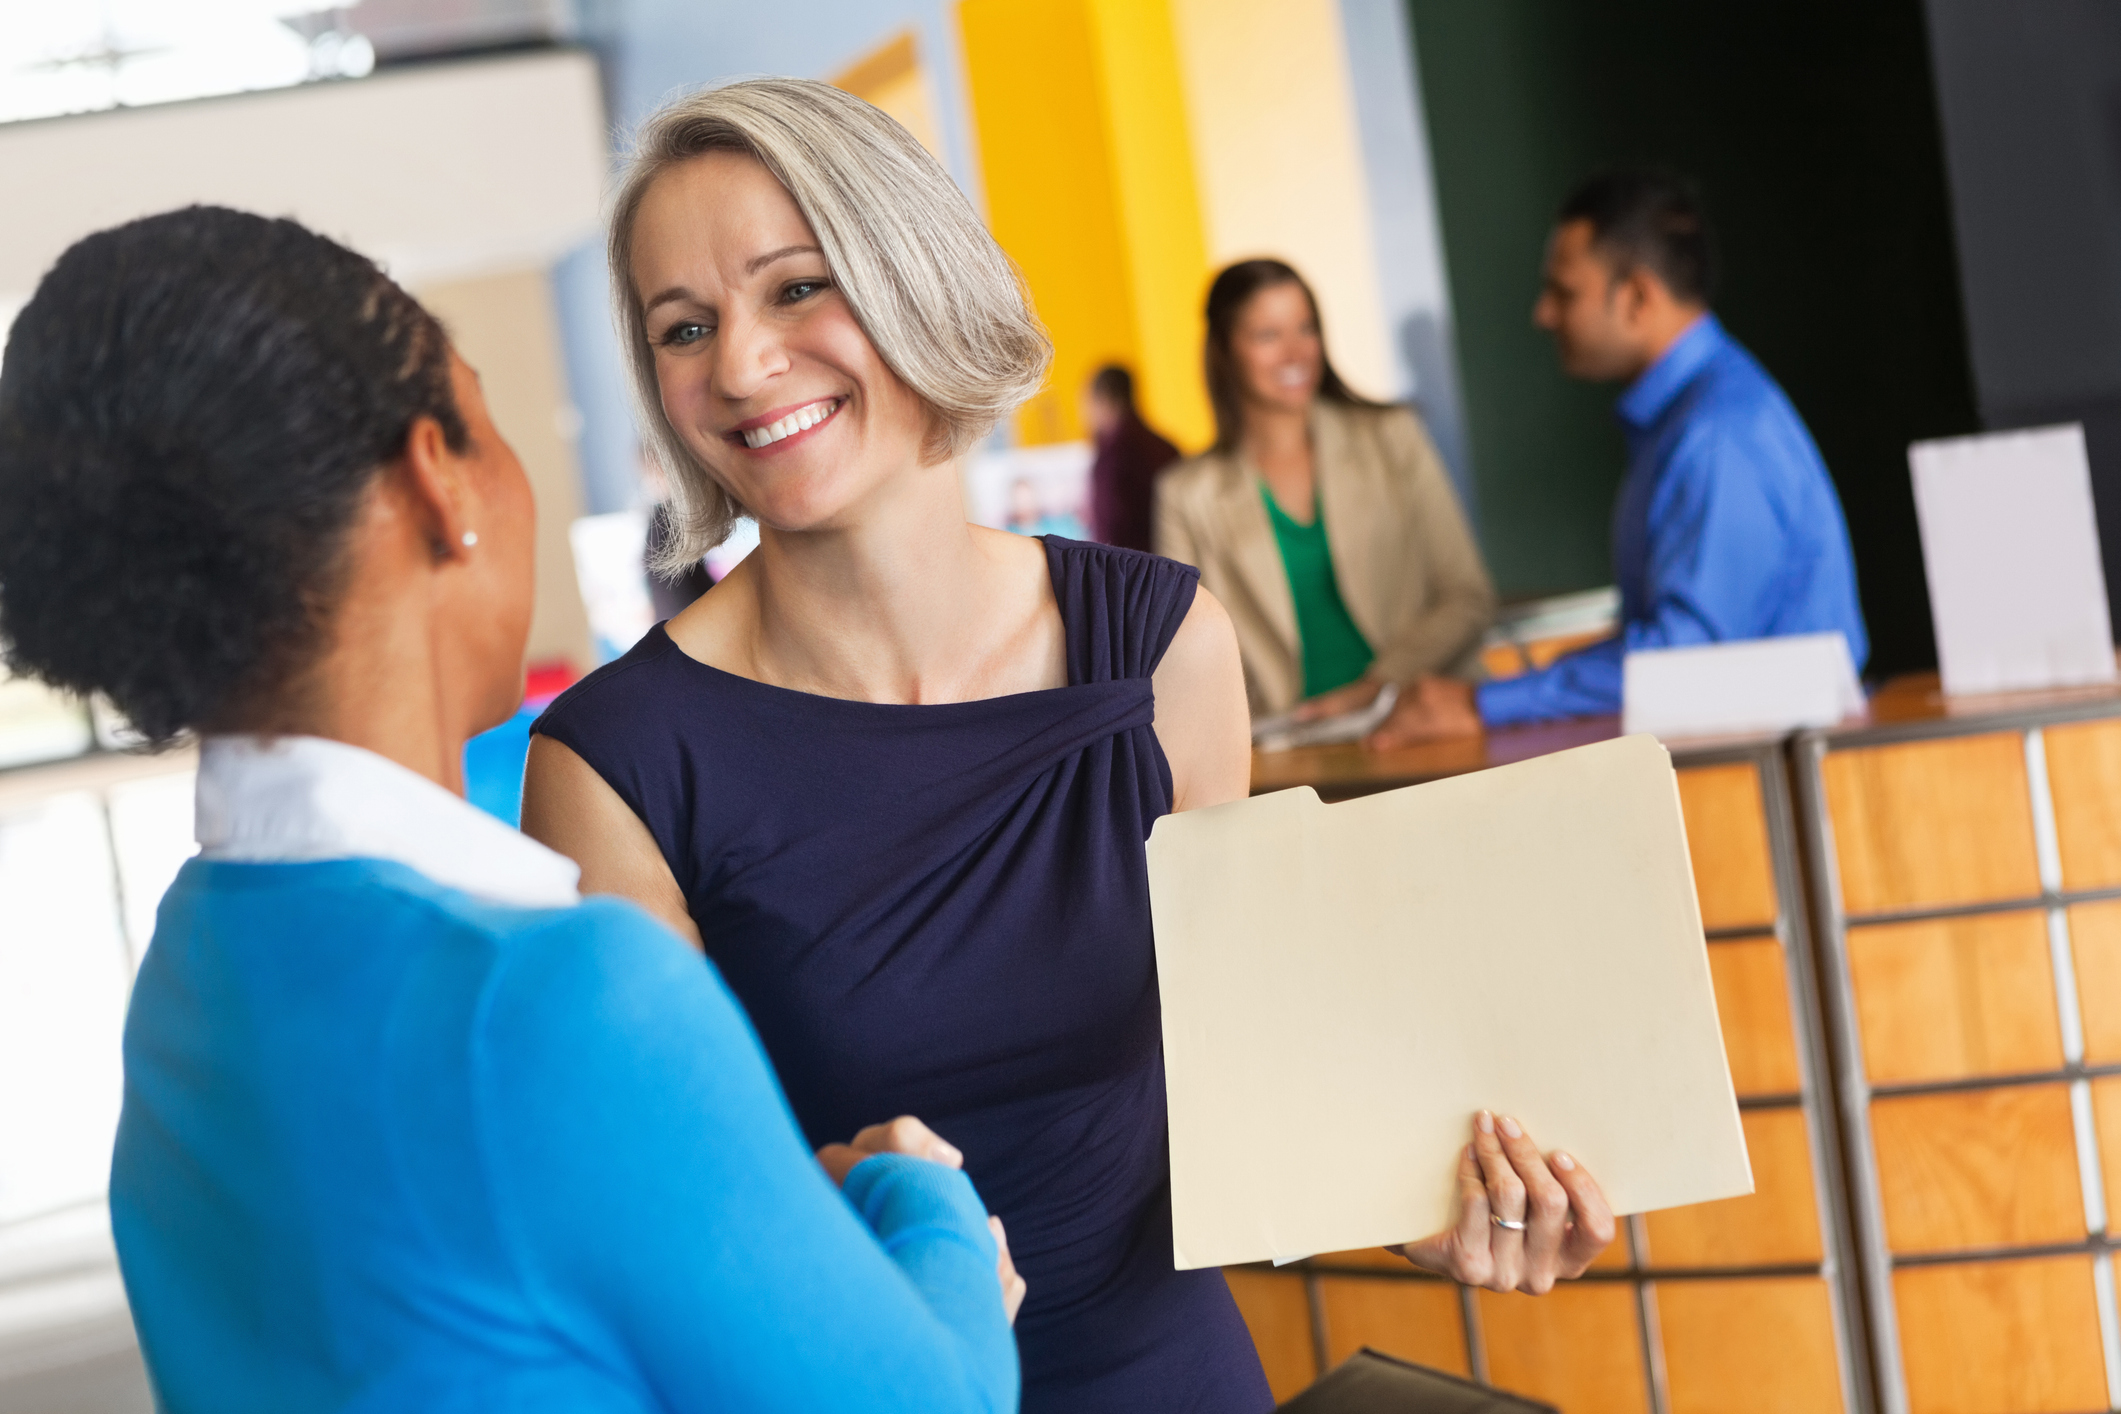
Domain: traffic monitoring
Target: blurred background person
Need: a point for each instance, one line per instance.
(1727, 525)
(407, 1122)
(1030, 515)
(1323, 521)
(1130, 453)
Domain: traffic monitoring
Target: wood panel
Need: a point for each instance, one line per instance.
(1277, 1310)
(1952, 998)
(1777, 1223)
(1753, 1003)
(2095, 944)
(1375, 1257)
(2106, 1120)
(2017, 1337)
(1981, 1168)
(1726, 832)
(1738, 1347)
(1618, 1255)
(1578, 1347)
(1932, 822)
(1414, 1320)
(2084, 777)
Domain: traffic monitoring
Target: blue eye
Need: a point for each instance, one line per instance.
(685, 333)
(801, 290)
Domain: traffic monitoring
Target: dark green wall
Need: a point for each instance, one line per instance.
(1812, 127)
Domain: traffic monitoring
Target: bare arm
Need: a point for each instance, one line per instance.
(1201, 717)
(567, 806)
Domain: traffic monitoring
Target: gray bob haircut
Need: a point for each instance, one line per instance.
(944, 307)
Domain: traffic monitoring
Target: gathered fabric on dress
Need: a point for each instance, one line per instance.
(943, 910)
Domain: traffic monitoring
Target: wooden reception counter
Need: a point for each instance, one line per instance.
(1914, 928)
(1966, 879)
(1730, 1305)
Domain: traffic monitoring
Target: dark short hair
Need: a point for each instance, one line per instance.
(1649, 217)
(192, 408)
(1114, 384)
(1227, 297)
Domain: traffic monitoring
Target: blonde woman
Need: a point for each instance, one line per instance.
(1321, 520)
(895, 772)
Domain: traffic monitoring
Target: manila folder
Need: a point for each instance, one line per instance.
(1345, 985)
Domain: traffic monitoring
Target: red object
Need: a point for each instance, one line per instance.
(544, 681)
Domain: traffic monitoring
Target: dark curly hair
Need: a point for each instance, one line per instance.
(1227, 297)
(192, 408)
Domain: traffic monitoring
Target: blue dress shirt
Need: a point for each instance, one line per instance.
(1727, 527)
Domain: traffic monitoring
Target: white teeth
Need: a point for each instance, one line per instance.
(802, 419)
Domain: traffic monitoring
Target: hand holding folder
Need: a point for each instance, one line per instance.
(1357, 979)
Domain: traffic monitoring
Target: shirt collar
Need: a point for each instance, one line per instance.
(299, 799)
(1662, 382)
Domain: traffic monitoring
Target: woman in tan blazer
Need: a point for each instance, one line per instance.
(1323, 522)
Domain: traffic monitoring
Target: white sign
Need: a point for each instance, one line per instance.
(2010, 545)
(1758, 685)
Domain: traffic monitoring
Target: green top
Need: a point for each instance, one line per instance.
(1334, 651)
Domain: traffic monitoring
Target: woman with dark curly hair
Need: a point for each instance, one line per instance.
(408, 1124)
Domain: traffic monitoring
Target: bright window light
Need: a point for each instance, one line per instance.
(80, 56)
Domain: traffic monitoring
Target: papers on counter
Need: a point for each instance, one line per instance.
(1759, 685)
(2010, 546)
(1283, 731)
(1343, 986)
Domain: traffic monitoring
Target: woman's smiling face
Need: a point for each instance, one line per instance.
(763, 369)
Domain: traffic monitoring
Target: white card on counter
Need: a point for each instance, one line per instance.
(1345, 985)
(2010, 546)
(1757, 685)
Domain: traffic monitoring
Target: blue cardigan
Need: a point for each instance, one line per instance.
(386, 1146)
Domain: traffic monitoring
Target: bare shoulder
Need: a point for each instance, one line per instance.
(568, 807)
(1201, 717)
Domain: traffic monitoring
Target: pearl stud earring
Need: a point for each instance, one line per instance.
(471, 538)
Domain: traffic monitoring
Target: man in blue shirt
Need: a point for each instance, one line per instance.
(1727, 525)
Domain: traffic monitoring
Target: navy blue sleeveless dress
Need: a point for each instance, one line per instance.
(943, 911)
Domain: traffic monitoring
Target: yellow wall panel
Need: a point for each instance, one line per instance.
(1034, 74)
(1088, 172)
(1280, 160)
(1159, 212)
(891, 77)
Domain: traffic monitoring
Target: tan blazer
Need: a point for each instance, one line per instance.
(1405, 562)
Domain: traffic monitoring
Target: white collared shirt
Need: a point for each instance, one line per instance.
(302, 799)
